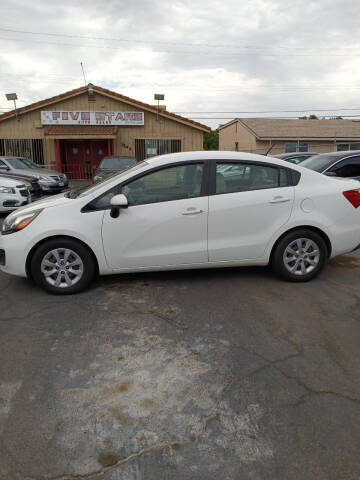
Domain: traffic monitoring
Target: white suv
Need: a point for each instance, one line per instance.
(13, 194)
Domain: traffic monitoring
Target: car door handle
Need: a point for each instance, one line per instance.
(279, 200)
(192, 211)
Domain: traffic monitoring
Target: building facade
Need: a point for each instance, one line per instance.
(267, 136)
(73, 131)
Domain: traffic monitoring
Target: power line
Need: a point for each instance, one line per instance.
(222, 55)
(158, 42)
(282, 111)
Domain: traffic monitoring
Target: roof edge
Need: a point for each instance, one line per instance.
(104, 91)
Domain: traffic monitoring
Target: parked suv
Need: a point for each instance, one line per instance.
(110, 165)
(13, 194)
(49, 180)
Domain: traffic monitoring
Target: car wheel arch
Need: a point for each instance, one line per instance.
(52, 237)
(304, 227)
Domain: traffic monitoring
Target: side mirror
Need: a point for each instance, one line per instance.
(330, 174)
(4, 167)
(117, 202)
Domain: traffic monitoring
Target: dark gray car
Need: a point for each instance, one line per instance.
(110, 165)
(49, 180)
(336, 164)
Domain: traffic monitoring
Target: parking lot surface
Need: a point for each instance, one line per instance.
(210, 374)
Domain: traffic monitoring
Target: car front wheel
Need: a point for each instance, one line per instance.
(299, 256)
(62, 266)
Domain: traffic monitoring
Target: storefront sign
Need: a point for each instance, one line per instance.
(92, 118)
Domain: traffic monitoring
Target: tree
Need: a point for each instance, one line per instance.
(310, 117)
(211, 140)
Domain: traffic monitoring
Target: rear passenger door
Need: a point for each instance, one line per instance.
(249, 202)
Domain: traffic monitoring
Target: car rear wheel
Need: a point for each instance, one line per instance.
(62, 266)
(299, 256)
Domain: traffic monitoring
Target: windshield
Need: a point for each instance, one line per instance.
(83, 191)
(319, 163)
(19, 163)
(117, 163)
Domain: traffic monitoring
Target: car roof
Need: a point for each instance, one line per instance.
(216, 155)
(342, 154)
(295, 154)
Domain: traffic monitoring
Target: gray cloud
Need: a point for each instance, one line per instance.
(205, 55)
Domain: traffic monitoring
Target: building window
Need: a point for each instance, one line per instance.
(146, 148)
(296, 147)
(28, 148)
(236, 146)
(341, 147)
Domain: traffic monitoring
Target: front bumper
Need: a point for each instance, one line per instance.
(13, 255)
(53, 187)
(10, 202)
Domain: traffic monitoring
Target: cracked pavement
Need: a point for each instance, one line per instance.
(206, 374)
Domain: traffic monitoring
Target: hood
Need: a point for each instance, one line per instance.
(11, 182)
(53, 201)
(40, 171)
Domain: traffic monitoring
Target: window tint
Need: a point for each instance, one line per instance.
(319, 163)
(117, 163)
(240, 177)
(296, 160)
(347, 168)
(164, 185)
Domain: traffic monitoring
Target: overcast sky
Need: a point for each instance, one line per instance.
(205, 56)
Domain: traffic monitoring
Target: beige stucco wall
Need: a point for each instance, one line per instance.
(247, 142)
(233, 133)
(30, 126)
(279, 146)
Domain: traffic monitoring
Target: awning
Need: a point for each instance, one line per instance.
(76, 131)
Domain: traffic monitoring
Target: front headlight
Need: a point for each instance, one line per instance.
(7, 190)
(46, 179)
(18, 221)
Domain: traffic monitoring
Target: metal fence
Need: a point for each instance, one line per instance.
(25, 147)
(150, 147)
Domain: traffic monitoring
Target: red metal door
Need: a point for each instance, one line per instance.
(98, 150)
(75, 159)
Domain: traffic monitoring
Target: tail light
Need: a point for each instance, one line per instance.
(353, 196)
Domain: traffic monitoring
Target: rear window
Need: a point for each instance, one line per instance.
(117, 163)
(319, 163)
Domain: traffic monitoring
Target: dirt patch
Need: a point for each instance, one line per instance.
(108, 459)
(345, 261)
(122, 387)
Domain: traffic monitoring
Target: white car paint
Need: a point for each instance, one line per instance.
(230, 229)
(13, 194)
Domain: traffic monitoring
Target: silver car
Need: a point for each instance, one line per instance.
(49, 180)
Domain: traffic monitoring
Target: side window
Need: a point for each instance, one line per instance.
(242, 177)
(348, 168)
(174, 183)
(2, 164)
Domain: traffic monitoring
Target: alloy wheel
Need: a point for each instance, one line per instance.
(301, 256)
(62, 267)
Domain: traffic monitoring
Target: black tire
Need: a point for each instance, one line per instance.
(88, 266)
(278, 263)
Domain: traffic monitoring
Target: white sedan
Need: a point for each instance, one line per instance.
(185, 210)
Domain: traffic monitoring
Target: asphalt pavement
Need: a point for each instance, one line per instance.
(230, 374)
